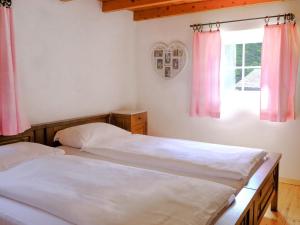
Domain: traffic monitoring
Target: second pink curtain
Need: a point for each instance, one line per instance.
(280, 59)
(12, 120)
(206, 74)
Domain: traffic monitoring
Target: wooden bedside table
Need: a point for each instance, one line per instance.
(134, 121)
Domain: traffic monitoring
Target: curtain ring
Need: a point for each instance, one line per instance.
(210, 27)
(285, 18)
(201, 28)
(198, 27)
(218, 25)
(290, 17)
(194, 27)
(267, 20)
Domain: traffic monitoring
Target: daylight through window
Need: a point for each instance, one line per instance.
(241, 71)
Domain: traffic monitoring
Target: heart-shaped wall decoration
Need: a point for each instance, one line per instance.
(169, 60)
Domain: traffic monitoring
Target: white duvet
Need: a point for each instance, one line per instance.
(196, 159)
(94, 192)
(16, 213)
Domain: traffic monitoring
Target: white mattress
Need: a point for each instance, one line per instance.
(15, 213)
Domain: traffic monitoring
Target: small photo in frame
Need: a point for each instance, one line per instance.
(175, 52)
(160, 64)
(168, 58)
(168, 71)
(180, 52)
(175, 64)
(158, 53)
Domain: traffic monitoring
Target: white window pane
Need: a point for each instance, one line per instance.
(229, 58)
(228, 67)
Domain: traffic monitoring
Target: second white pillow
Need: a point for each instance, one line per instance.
(84, 135)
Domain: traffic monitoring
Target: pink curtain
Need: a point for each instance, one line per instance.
(12, 121)
(280, 59)
(206, 74)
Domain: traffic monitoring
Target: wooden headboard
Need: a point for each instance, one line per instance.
(44, 133)
(34, 134)
(52, 128)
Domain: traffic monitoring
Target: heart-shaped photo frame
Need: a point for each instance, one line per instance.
(169, 60)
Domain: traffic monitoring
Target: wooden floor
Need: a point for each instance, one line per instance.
(289, 207)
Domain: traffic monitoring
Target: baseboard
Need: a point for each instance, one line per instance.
(289, 181)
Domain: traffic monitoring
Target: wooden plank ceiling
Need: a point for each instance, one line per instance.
(149, 9)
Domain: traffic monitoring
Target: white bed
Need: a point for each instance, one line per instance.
(55, 188)
(14, 212)
(229, 165)
(236, 184)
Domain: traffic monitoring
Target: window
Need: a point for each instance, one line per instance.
(241, 70)
(248, 66)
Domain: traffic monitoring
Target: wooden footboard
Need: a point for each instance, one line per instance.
(241, 211)
(265, 181)
(254, 199)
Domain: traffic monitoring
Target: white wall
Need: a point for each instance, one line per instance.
(72, 59)
(168, 100)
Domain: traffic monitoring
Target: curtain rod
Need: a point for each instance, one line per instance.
(289, 17)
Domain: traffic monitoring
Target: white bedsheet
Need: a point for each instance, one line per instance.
(93, 192)
(196, 159)
(16, 213)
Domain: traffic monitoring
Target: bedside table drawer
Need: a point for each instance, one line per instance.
(138, 119)
(139, 129)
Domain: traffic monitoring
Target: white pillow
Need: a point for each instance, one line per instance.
(82, 136)
(14, 154)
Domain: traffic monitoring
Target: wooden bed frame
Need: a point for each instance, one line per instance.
(250, 204)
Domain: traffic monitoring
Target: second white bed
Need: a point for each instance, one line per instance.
(229, 165)
(236, 184)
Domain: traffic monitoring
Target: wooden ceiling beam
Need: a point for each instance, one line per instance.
(179, 9)
(114, 5)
